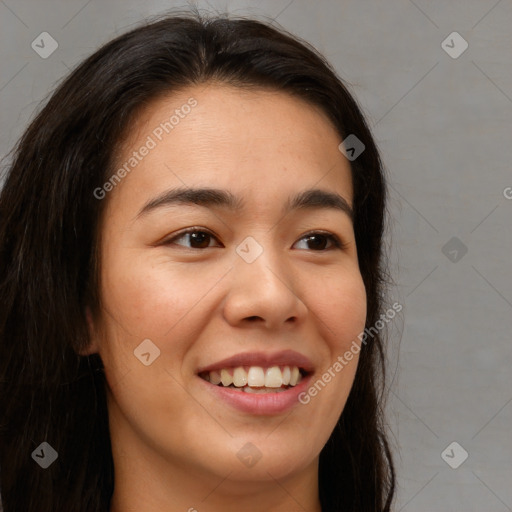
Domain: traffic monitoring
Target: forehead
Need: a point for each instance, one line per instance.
(259, 142)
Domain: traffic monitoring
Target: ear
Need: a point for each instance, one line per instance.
(93, 347)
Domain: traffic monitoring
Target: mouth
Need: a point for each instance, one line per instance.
(258, 383)
(256, 379)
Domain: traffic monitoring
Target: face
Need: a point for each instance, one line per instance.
(239, 283)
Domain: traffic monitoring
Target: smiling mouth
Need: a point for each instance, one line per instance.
(256, 379)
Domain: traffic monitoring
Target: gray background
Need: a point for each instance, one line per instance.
(443, 125)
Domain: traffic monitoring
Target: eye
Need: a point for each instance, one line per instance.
(318, 240)
(199, 239)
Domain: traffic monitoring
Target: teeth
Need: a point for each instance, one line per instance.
(274, 377)
(256, 376)
(256, 379)
(215, 378)
(239, 377)
(295, 376)
(226, 378)
(286, 375)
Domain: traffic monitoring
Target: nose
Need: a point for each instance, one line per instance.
(264, 292)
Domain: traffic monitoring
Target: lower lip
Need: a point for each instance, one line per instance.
(262, 404)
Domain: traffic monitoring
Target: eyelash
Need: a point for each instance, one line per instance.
(337, 244)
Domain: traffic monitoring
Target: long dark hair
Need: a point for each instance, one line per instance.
(49, 233)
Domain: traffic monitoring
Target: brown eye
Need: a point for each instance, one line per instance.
(318, 241)
(197, 239)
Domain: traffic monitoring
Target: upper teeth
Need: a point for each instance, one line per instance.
(256, 376)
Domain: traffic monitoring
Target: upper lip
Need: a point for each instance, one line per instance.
(264, 359)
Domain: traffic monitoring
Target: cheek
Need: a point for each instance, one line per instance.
(163, 301)
(152, 300)
(340, 311)
(340, 307)
(144, 301)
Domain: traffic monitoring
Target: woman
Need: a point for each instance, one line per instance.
(191, 243)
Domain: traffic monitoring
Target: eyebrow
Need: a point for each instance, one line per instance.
(213, 197)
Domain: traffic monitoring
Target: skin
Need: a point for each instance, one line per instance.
(174, 448)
